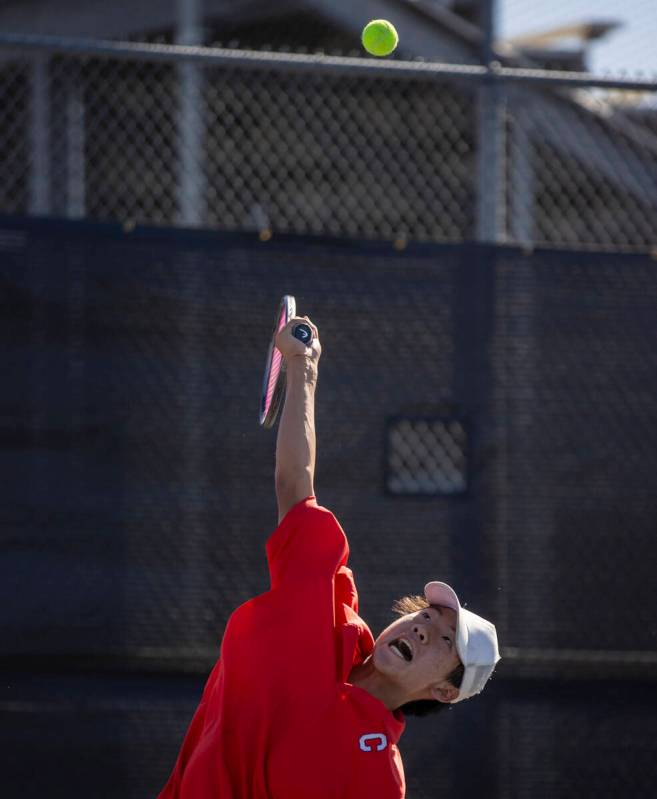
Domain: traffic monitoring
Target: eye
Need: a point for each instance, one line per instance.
(448, 639)
(426, 615)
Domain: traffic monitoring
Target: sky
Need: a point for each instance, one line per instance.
(631, 49)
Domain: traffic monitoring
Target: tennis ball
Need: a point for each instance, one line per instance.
(379, 37)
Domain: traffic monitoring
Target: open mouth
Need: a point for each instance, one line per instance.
(401, 648)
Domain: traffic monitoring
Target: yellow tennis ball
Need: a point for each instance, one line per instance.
(379, 37)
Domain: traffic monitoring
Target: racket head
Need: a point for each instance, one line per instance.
(273, 382)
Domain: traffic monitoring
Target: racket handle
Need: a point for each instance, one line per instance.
(303, 333)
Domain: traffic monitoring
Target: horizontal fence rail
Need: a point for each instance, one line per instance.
(296, 62)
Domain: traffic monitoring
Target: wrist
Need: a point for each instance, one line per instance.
(301, 367)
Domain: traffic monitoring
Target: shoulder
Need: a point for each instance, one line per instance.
(308, 537)
(307, 517)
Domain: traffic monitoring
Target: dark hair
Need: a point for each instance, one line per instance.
(423, 707)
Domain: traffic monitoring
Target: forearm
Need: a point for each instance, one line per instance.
(295, 444)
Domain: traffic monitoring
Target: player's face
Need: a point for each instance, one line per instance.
(418, 652)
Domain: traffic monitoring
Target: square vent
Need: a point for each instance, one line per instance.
(426, 456)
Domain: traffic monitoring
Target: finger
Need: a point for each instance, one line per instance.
(295, 320)
(312, 326)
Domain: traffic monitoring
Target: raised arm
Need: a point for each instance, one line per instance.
(295, 444)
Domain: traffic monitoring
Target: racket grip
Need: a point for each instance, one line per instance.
(303, 333)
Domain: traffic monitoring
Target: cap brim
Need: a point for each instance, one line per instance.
(437, 593)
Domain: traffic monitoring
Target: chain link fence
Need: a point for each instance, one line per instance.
(517, 465)
(319, 145)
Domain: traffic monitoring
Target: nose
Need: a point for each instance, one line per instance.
(420, 634)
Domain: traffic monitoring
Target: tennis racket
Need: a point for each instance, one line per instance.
(273, 382)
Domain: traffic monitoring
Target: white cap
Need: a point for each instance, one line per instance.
(476, 640)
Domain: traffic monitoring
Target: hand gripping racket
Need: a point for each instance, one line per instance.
(273, 383)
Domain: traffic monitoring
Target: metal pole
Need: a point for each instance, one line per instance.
(490, 200)
(75, 146)
(319, 64)
(40, 136)
(190, 121)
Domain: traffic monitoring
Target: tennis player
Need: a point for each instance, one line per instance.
(303, 703)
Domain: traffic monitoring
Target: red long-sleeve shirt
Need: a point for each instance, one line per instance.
(278, 719)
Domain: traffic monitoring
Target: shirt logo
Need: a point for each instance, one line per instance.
(366, 742)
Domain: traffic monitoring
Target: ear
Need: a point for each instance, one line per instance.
(444, 692)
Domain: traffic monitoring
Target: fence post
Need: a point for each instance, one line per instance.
(40, 136)
(490, 196)
(190, 119)
(75, 146)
